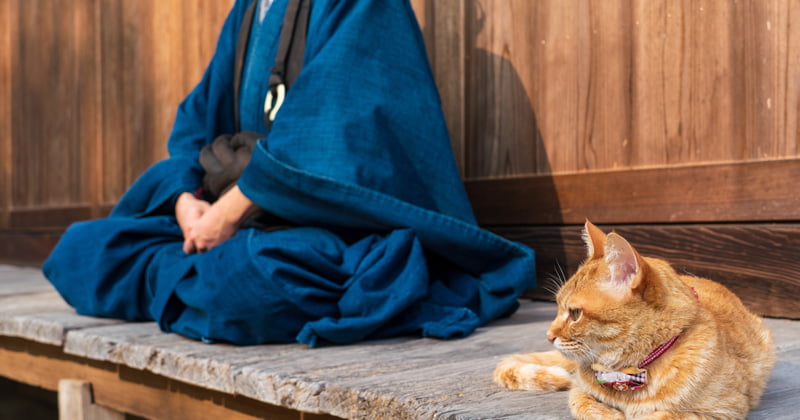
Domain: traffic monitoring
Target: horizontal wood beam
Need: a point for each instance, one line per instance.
(735, 192)
(26, 248)
(760, 262)
(129, 390)
(53, 218)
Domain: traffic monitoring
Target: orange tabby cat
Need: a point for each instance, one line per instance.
(640, 341)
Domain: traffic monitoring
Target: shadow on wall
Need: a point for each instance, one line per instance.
(501, 136)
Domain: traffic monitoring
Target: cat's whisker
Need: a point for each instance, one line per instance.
(555, 280)
(604, 327)
(551, 287)
(562, 277)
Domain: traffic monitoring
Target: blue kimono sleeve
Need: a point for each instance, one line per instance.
(203, 115)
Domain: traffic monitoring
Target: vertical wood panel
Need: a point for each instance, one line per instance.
(54, 104)
(167, 46)
(7, 33)
(565, 86)
(202, 22)
(443, 29)
(501, 130)
(790, 44)
(115, 125)
(605, 141)
(88, 100)
(128, 119)
(446, 36)
(152, 58)
(771, 63)
(656, 80)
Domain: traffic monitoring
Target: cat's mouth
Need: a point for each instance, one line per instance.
(574, 350)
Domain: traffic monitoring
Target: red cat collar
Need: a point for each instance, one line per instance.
(631, 378)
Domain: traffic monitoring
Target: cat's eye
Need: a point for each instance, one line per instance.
(575, 314)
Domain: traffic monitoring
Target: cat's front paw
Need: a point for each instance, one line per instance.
(584, 407)
(516, 372)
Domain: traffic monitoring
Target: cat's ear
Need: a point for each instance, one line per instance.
(595, 240)
(623, 263)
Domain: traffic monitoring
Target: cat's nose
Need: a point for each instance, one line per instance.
(551, 337)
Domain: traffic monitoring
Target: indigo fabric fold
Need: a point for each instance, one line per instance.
(358, 159)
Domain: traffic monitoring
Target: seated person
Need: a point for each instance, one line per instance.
(377, 236)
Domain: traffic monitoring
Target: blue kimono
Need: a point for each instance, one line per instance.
(358, 158)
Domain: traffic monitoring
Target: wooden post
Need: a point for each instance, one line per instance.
(75, 402)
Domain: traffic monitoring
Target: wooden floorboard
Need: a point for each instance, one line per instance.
(387, 379)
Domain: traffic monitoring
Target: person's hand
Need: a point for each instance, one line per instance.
(218, 223)
(188, 211)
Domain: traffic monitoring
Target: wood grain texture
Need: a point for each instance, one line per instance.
(7, 39)
(128, 390)
(757, 262)
(76, 402)
(54, 104)
(745, 191)
(558, 86)
(52, 218)
(153, 54)
(445, 37)
(136, 368)
(95, 88)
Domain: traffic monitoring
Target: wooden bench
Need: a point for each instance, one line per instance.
(102, 368)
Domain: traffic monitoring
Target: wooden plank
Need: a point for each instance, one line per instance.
(8, 29)
(128, 390)
(49, 217)
(143, 346)
(128, 92)
(152, 57)
(75, 402)
(202, 22)
(770, 57)
(500, 130)
(565, 86)
(657, 78)
(755, 191)
(47, 323)
(135, 368)
(50, 78)
(87, 100)
(26, 248)
(16, 281)
(446, 44)
(758, 262)
(407, 378)
(30, 308)
(377, 380)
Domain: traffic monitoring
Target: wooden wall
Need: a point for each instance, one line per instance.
(565, 86)
(662, 118)
(89, 92)
(673, 122)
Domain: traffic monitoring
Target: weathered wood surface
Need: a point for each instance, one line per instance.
(554, 86)
(545, 87)
(731, 192)
(398, 378)
(75, 402)
(759, 262)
